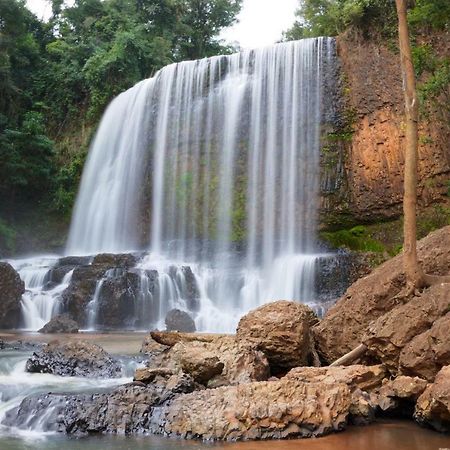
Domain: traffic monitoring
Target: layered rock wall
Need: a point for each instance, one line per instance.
(366, 146)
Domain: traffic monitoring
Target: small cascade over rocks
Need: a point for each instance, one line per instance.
(209, 173)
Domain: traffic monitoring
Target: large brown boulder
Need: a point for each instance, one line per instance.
(427, 353)
(433, 406)
(264, 410)
(282, 331)
(405, 334)
(74, 359)
(220, 362)
(11, 290)
(400, 394)
(345, 324)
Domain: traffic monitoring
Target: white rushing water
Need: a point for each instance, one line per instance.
(211, 164)
(16, 384)
(41, 300)
(223, 155)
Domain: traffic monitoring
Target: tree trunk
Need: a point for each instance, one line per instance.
(413, 271)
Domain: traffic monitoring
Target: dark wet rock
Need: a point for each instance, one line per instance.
(346, 323)
(177, 320)
(81, 290)
(62, 267)
(11, 290)
(117, 299)
(74, 359)
(126, 409)
(412, 339)
(22, 346)
(188, 286)
(125, 260)
(118, 293)
(433, 406)
(62, 323)
(281, 330)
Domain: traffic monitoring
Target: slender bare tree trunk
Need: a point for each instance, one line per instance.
(415, 276)
(413, 271)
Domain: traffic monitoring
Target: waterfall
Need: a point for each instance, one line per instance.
(42, 298)
(212, 164)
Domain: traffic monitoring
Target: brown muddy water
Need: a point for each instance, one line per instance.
(382, 435)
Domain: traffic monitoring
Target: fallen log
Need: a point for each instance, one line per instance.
(170, 338)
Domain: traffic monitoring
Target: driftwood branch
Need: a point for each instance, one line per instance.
(350, 357)
(170, 338)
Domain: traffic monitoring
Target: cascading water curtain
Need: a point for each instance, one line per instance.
(215, 163)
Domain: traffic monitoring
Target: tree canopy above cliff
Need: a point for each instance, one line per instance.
(61, 73)
(332, 17)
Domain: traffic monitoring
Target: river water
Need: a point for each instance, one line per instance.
(15, 384)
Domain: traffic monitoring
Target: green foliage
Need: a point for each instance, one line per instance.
(437, 217)
(431, 14)
(436, 88)
(357, 239)
(26, 158)
(371, 17)
(67, 182)
(423, 59)
(57, 77)
(332, 17)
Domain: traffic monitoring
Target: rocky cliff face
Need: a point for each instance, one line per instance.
(365, 148)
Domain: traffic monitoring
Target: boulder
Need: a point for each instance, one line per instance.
(63, 266)
(345, 324)
(281, 330)
(62, 323)
(427, 353)
(118, 293)
(400, 394)
(117, 299)
(361, 380)
(266, 410)
(366, 378)
(177, 320)
(125, 260)
(221, 362)
(74, 359)
(433, 406)
(11, 290)
(404, 334)
(152, 348)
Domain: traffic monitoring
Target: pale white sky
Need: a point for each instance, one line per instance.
(261, 22)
